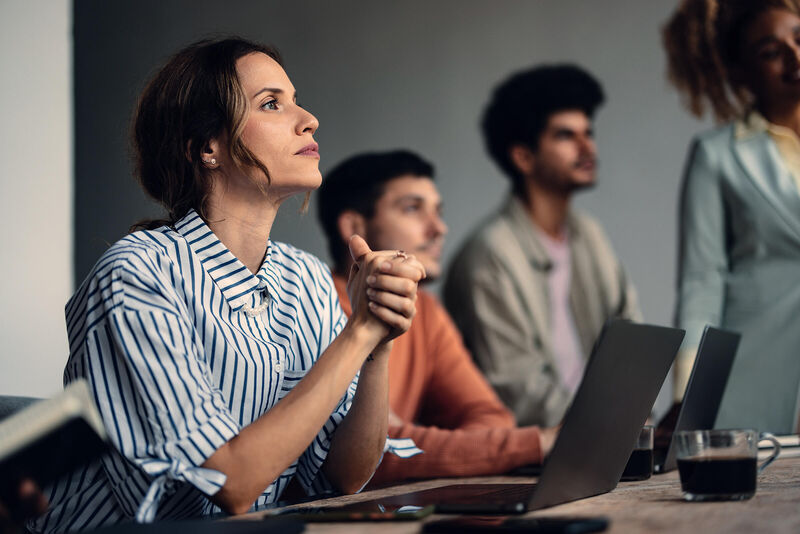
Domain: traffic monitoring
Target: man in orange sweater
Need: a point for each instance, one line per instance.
(437, 395)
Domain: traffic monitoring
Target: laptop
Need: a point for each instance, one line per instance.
(622, 379)
(704, 391)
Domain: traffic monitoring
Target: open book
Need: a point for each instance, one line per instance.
(50, 438)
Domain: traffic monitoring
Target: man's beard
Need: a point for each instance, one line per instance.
(562, 182)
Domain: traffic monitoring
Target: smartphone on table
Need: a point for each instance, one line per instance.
(539, 525)
(367, 511)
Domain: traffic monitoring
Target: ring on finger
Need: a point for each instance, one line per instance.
(401, 254)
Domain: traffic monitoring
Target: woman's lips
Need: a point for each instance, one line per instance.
(309, 150)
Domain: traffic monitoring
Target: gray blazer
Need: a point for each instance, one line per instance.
(498, 295)
(739, 268)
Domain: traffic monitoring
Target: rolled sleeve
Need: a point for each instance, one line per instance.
(154, 394)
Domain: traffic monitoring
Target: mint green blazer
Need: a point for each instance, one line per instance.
(739, 269)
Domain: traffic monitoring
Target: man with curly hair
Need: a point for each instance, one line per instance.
(532, 287)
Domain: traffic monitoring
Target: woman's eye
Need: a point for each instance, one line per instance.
(270, 104)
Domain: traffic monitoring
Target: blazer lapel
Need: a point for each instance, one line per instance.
(761, 162)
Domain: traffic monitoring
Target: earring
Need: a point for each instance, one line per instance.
(212, 161)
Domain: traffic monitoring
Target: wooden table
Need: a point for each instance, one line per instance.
(653, 505)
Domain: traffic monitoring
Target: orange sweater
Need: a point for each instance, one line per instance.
(453, 413)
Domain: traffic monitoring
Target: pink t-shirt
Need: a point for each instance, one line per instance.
(566, 344)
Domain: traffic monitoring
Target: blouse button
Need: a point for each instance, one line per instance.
(278, 367)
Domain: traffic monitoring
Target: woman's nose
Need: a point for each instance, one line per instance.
(306, 122)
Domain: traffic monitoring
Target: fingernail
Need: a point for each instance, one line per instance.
(386, 266)
(371, 279)
(371, 292)
(372, 305)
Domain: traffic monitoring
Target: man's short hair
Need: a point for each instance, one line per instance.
(356, 184)
(521, 106)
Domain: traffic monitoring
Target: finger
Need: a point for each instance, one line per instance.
(401, 305)
(392, 319)
(394, 255)
(394, 284)
(358, 247)
(27, 488)
(411, 269)
(33, 502)
(353, 270)
(412, 260)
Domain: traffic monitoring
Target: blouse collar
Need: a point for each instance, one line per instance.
(233, 279)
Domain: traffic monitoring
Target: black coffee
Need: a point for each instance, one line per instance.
(718, 476)
(640, 465)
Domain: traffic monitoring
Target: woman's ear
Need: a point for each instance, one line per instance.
(210, 155)
(350, 223)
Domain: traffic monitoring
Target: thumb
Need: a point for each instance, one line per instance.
(358, 247)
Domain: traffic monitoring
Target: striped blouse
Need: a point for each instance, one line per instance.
(182, 347)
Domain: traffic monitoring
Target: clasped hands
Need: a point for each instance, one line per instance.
(26, 503)
(383, 289)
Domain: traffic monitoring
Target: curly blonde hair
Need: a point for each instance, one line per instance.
(702, 40)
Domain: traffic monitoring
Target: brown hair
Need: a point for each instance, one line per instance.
(703, 44)
(194, 98)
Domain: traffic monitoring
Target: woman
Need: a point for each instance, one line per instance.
(740, 213)
(221, 361)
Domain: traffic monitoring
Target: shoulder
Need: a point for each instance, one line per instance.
(135, 272)
(720, 134)
(714, 142)
(486, 245)
(433, 318)
(586, 224)
(711, 155)
(144, 246)
(484, 236)
(431, 311)
(488, 256)
(591, 234)
(141, 255)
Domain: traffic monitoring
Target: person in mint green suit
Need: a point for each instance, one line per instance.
(739, 264)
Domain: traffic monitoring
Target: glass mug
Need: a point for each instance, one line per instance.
(640, 463)
(721, 465)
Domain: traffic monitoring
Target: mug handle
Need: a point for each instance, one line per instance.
(776, 449)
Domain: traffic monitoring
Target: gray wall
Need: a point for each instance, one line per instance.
(381, 74)
(35, 194)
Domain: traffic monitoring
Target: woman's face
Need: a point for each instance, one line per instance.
(278, 131)
(771, 57)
